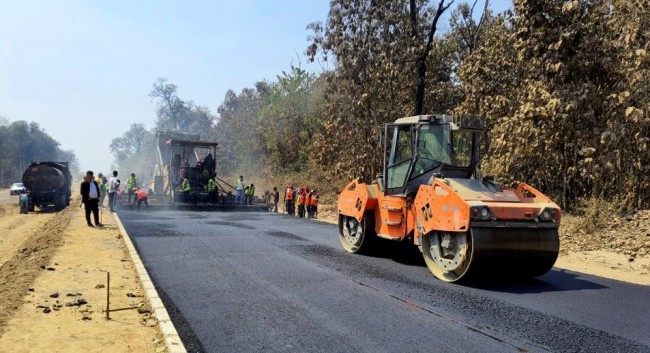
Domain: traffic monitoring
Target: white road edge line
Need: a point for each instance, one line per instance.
(172, 340)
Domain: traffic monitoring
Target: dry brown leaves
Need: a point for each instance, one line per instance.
(628, 235)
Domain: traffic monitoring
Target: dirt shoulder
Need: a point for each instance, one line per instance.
(620, 250)
(6, 199)
(52, 286)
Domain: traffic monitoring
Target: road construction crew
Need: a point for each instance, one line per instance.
(113, 190)
(239, 186)
(302, 200)
(246, 193)
(313, 204)
(276, 198)
(251, 192)
(212, 190)
(131, 185)
(288, 200)
(142, 196)
(295, 200)
(305, 201)
(103, 189)
(308, 203)
(186, 190)
(297, 195)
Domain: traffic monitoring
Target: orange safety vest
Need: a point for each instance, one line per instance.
(303, 199)
(141, 194)
(289, 194)
(314, 200)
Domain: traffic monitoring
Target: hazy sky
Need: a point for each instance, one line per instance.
(83, 69)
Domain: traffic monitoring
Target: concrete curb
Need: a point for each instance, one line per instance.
(172, 340)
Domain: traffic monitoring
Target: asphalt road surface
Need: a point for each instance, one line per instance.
(245, 282)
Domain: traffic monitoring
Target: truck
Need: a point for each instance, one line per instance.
(48, 184)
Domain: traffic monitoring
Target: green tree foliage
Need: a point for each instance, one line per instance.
(174, 113)
(238, 132)
(134, 152)
(289, 120)
(22, 143)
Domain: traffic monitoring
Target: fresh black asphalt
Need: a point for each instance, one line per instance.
(244, 282)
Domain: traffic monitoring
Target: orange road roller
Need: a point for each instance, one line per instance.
(431, 192)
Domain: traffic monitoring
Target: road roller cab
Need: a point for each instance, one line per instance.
(431, 192)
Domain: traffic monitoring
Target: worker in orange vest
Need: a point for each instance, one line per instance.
(302, 202)
(141, 196)
(288, 200)
(309, 195)
(313, 204)
(308, 203)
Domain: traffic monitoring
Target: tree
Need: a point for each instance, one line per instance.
(131, 143)
(622, 149)
(241, 146)
(289, 119)
(23, 142)
(174, 113)
(422, 53)
(135, 151)
(563, 87)
(469, 32)
(388, 64)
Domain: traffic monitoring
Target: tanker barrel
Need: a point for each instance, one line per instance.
(46, 176)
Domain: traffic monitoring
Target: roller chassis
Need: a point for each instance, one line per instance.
(454, 246)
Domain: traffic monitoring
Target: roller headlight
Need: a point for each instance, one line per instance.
(481, 213)
(548, 214)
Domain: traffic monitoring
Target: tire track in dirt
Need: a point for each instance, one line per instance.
(18, 273)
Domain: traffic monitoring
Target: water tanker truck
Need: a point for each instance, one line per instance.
(48, 183)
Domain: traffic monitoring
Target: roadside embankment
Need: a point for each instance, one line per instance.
(53, 286)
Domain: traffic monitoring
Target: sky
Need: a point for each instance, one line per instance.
(83, 69)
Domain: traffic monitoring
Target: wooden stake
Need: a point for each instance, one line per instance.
(108, 295)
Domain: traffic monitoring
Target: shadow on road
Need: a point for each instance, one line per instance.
(556, 280)
(401, 252)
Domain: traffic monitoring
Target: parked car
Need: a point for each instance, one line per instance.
(17, 189)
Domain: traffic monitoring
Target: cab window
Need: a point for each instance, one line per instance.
(400, 158)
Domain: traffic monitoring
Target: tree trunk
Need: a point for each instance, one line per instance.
(422, 59)
(565, 180)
